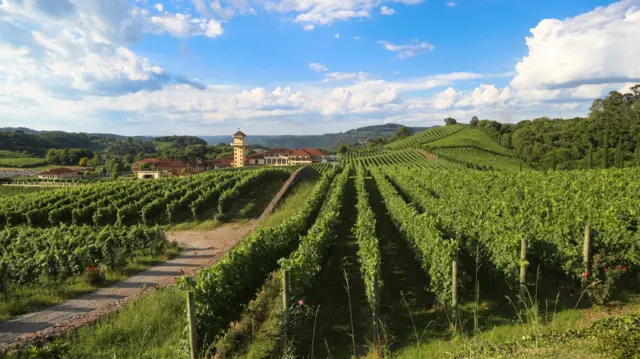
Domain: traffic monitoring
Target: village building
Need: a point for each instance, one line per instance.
(277, 157)
(159, 168)
(239, 149)
(58, 173)
(300, 157)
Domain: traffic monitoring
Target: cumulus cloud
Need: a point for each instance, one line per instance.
(159, 6)
(342, 76)
(385, 10)
(318, 67)
(408, 50)
(592, 48)
(336, 36)
(450, 4)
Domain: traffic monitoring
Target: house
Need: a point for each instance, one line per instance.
(58, 173)
(256, 159)
(300, 157)
(316, 156)
(219, 163)
(159, 168)
(277, 157)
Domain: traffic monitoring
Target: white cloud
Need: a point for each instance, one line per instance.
(183, 25)
(308, 27)
(357, 38)
(409, 50)
(450, 4)
(325, 12)
(318, 67)
(159, 7)
(337, 36)
(592, 48)
(342, 76)
(385, 10)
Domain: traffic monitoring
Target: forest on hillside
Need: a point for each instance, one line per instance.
(609, 135)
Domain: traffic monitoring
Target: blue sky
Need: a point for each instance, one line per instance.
(207, 67)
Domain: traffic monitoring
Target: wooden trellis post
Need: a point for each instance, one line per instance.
(5, 282)
(454, 289)
(523, 262)
(191, 315)
(586, 249)
(285, 296)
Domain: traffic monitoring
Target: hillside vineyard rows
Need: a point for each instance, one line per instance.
(513, 222)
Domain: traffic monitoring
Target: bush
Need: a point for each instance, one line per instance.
(94, 276)
(619, 337)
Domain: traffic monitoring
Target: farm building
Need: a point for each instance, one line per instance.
(58, 173)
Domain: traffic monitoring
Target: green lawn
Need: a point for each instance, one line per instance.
(24, 162)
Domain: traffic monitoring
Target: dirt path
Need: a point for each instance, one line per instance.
(201, 248)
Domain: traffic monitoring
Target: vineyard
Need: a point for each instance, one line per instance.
(395, 241)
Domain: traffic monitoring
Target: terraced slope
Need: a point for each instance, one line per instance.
(426, 136)
(474, 148)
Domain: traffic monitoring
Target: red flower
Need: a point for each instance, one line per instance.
(585, 274)
(90, 268)
(301, 302)
(605, 270)
(624, 268)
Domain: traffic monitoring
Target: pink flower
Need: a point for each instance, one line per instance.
(301, 302)
(605, 270)
(585, 274)
(624, 268)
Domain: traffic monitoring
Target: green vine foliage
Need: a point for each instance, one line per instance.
(306, 263)
(222, 290)
(368, 247)
(495, 210)
(57, 253)
(433, 250)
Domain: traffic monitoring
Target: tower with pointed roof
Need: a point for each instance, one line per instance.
(239, 149)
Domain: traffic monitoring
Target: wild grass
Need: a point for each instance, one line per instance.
(150, 327)
(290, 205)
(33, 297)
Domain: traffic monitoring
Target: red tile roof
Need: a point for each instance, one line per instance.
(168, 164)
(314, 152)
(239, 133)
(300, 152)
(57, 171)
(255, 156)
(278, 151)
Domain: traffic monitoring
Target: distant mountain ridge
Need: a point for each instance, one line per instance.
(329, 140)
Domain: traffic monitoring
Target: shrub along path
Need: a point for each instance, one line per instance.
(201, 248)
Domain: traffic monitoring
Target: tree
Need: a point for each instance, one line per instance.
(114, 165)
(128, 159)
(144, 166)
(96, 161)
(343, 149)
(403, 132)
(474, 121)
(605, 158)
(618, 156)
(638, 147)
(590, 157)
(83, 162)
(450, 121)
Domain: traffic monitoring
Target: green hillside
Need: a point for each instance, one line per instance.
(411, 157)
(469, 137)
(426, 136)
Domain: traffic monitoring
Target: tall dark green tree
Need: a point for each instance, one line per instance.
(605, 158)
(590, 157)
(638, 151)
(450, 121)
(618, 157)
(474, 121)
(554, 162)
